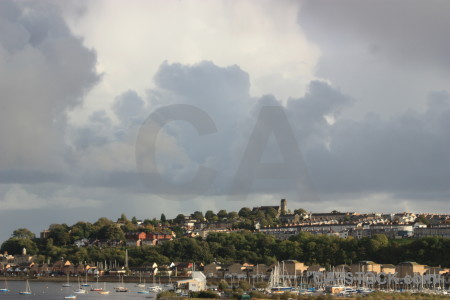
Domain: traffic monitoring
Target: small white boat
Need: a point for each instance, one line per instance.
(67, 284)
(70, 297)
(104, 291)
(121, 288)
(85, 283)
(96, 289)
(5, 288)
(155, 288)
(27, 289)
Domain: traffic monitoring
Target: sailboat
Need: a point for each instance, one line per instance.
(142, 291)
(27, 289)
(155, 288)
(86, 281)
(67, 284)
(121, 287)
(80, 289)
(277, 281)
(104, 291)
(5, 288)
(96, 289)
(140, 284)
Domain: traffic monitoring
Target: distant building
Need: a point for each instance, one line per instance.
(280, 209)
(437, 230)
(365, 266)
(195, 284)
(410, 268)
(212, 270)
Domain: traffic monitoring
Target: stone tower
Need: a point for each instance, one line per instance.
(283, 206)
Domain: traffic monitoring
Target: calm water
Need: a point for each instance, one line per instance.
(54, 290)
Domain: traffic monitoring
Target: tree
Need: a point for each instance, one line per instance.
(134, 220)
(23, 233)
(163, 218)
(59, 233)
(178, 231)
(81, 230)
(272, 213)
(245, 212)
(198, 215)
(233, 215)
(16, 245)
(222, 214)
(300, 211)
(111, 232)
(244, 285)
(122, 219)
(423, 219)
(209, 215)
(223, 285)
(179, 219)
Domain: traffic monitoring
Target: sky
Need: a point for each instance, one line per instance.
(149, 107)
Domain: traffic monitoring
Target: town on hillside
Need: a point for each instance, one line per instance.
(277, 221)
(246, 245)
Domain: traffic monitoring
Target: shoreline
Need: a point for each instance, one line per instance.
(91, 280)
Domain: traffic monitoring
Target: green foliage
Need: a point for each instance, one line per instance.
(23, 233)
(163, 218)
(204, 294)
(166, 294)
(16, 245)
(243, 246)
(222, 214)
(223, 285)
(81, 230)
(209, 215)
(198, 215)
(423, 219)
(245, 212)
(111, 232)
(179, 219)
(244, 285)
(60, 234)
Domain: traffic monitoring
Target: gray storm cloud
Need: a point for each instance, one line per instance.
(387, 54)
(45, 71)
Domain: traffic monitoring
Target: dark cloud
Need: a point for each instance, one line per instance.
(386, 54)
(406, 31)
(404, 154)
(45, 71)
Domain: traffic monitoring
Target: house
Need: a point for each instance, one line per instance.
(195, 284)
(435, 230)
(261, 271)
(365, 266)
(234, 270)
(59, 266)
(79, 269)
(293, 268)
(135, 238)
(290, 218)
(183, 268)
(388, 269)
(212, 270)
(410, 268)
(315, 268)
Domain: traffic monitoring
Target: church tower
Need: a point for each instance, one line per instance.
(283, 206)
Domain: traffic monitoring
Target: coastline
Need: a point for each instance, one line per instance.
(92, 280)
